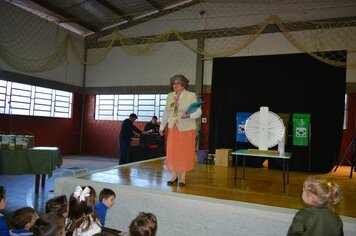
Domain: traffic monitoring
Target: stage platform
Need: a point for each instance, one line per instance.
(209, 204)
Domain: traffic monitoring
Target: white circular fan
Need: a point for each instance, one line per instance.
(264, 129)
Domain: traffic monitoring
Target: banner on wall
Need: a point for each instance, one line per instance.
(301, 126)
(241, 118)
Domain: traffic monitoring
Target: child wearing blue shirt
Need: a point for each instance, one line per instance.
(106, 200)
(4, 230)
(22, 221)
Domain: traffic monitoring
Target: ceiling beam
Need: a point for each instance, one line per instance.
(115, 9)
(102, 33)
(231, 32)
(68, 18)
(155, 4)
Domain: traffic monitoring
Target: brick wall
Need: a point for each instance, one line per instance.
(60, 132)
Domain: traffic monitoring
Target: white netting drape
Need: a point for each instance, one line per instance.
(223, 28)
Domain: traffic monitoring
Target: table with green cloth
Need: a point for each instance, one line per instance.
(37, 161)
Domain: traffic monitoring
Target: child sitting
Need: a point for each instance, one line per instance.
(4, 230)
(318, 219)
(82, 219)
(58, 204)
(22, 221)
(106, 200)
(50, 224)
(145, 224)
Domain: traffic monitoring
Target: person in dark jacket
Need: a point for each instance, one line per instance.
(152, 126)
(127, 132)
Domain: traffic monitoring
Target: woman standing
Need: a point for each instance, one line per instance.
(181, 130)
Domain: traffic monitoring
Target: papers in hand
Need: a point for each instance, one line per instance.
(193, 107)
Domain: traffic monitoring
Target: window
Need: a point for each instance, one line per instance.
(120, 106)
(23, 99)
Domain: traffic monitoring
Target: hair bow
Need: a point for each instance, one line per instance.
(79, 192)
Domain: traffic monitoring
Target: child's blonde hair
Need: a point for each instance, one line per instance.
(326, 192)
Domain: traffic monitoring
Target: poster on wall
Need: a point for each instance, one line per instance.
(301, 126)
(241, 118)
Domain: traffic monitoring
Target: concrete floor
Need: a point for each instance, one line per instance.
(21, 188)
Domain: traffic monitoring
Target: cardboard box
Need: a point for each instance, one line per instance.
(8, 141)
(30, 141)
(223, 157)
(20, 142)
(24, 141)
(11, 141)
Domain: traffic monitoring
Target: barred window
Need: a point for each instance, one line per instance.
(23, 99)
(120, 106)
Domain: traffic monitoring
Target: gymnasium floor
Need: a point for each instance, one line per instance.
(21, 188)
(261, 185)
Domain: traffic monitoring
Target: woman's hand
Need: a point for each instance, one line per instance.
(161, 132)
(185, 115)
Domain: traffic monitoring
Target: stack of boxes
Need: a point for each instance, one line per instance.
(11, 141)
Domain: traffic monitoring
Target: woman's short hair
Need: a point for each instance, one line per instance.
(182, 79)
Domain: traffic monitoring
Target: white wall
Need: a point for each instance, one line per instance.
(265, 44)
(121, 69)
(29, 36)
(274, 44)
(74, 76)
(220, 16)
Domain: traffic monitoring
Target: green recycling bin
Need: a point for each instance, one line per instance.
(301, 127)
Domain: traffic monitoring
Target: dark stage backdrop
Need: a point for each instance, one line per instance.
(293, 83)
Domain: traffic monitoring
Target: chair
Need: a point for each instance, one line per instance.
(210, 160)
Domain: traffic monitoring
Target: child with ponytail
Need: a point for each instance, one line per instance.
(318, 218)
(82, 219)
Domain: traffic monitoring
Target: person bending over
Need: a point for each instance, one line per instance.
(126, 133)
